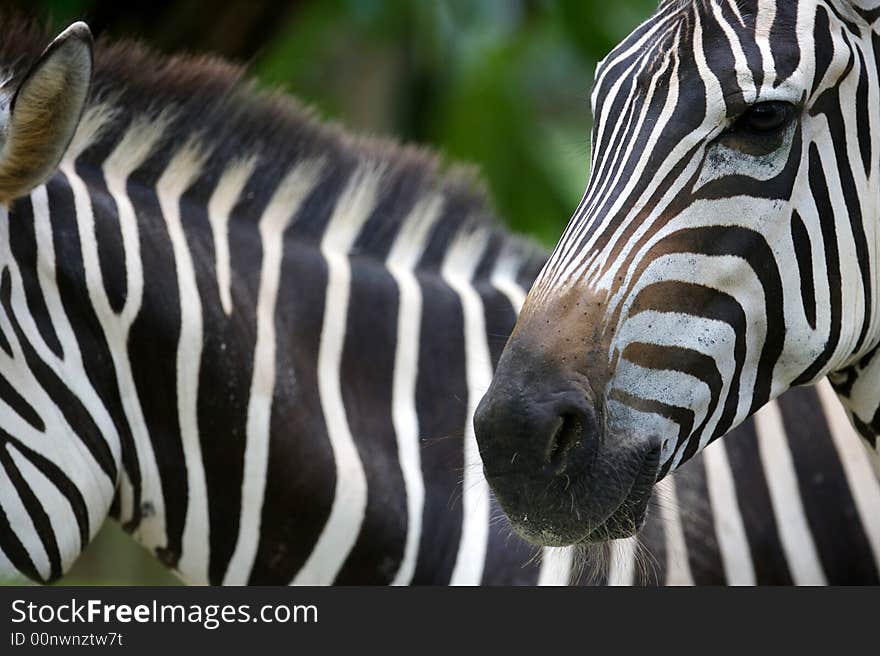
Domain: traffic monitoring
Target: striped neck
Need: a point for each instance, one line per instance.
(196, 299)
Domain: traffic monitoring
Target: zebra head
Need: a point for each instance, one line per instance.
(724, 250)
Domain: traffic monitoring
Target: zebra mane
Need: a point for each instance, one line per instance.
(209, 106)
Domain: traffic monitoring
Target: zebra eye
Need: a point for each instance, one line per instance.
(760, 130)
(766, 117)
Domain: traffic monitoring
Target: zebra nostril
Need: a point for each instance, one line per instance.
(566, 435)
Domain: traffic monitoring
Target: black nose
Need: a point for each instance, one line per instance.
(572, 442)
(562, 471)
(545, 433)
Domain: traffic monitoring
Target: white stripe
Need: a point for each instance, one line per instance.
(135, 146)
(64, 525)
(285, 203)
(763, 29)
(401, 261)
(729, 527)
(857, 466)
(504, 280)
(556, 564)
(222, 202)
(59, 444)
(678, 570)
(180, 173)
(72, 455)
(21, 523)
(458, 268)
(779, 472)
(350, 499)
(85, 222)
(746, 81)
(622, 569)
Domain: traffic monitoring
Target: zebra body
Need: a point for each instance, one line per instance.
(258, 342)
(724, 251)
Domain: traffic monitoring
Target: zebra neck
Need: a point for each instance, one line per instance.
(179, 330)
(60, 440)
(199, 302)
(858, 388)
(857, 382)
(196, 284)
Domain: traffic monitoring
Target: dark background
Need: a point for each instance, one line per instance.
(502, 84)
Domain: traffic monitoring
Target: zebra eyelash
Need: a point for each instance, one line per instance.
(750, 139)
(784, 111)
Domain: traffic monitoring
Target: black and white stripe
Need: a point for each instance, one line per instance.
(258, 343)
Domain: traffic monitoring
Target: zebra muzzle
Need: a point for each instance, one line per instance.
(559, 472)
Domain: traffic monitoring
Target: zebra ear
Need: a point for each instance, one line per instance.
(38, 120)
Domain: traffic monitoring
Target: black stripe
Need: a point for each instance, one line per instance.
(829, 507)
(301, 472)
(783, 41)
(108, 236)
(752, 247)
(803, 251)
(699, 301)
(91, 341)
(830, 104)
(819, 191)
(753, 498)
(704, 554)
(61, 482)
(23, 244)
(683, 417)
(614, 156)
(687, 361)
(721, 61)
(19, 405)
(631, 142)
(152, 352)
(442, 375)
(35, 510)
(94, 349)
(499, 318)
(870, 16)
(656, 196)
(226, 368)
(76, 415)
(399, 193)
(824, 47)
(4, 343)
(744, 33)
(367, 375)
(851, 27)
(863, 123)
(14, 550)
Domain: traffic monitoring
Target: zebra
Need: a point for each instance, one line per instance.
(724, 251)
(257, 342)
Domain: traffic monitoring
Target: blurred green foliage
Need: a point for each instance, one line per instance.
(502, 84)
